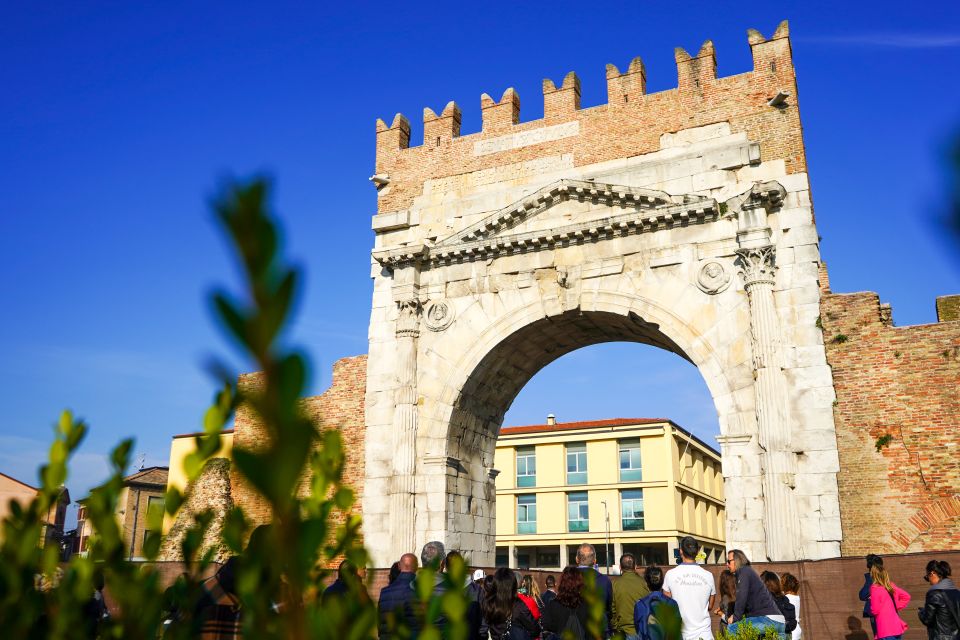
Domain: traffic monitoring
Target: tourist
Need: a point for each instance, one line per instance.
(656, 616)
(772, 582)
(524, 596)
(397, 600)
(791, 589)
(433, 558)
(346, 573)
(218, 611)
(507, 617)
(566, 615)
(872, 559)
(586, 564)
(394, 572)
(529, 587)
(95, 611)
(754, 605)
(627, 589)
(475, 586)
(692, 587)
(886, 599)
(728, 595)
(551, 591)
(940, 612)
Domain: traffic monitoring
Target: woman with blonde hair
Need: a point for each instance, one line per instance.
(886, 599)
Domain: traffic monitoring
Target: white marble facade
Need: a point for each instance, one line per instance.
(701, 248)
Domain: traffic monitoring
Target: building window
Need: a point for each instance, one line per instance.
(578, 513)
(576, 464)
(526, 467)
(527, 513)
(630, 461)
(155, 507)
(631, 509)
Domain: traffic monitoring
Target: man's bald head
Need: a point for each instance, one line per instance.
(586, 555)
(408, 563)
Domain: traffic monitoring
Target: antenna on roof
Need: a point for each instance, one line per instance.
(141, 459)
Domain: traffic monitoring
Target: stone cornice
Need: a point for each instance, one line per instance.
(647, 211)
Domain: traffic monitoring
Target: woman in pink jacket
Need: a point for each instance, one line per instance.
(886, 599)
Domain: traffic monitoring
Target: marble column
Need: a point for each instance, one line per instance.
(781, 523)
(402, 510)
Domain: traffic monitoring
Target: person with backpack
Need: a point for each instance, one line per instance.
(772, 582)
(567, 614)
(656, 616)
(886, 599)
(505, 615)
(940, 612)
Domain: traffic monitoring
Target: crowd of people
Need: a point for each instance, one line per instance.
(643, 603)
(652, 604)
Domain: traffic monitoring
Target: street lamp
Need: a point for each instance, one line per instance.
(606, 517)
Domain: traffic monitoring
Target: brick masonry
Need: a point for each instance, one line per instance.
(897, 387)
(341, 407)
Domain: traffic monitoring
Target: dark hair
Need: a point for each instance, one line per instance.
(628, 562)
(728, 584)
(499, 594)
(654, 577)
(551, 582)
(874, 560)
(772, 582)
(454, 557)
(790, 583)
(432, 554)
(347, 568)
(690, 547)
(571, 584)
(939, 567)
(394, 572)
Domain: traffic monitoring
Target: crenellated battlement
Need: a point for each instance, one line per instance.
(627, 124)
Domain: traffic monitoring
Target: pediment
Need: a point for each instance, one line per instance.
(563, 212)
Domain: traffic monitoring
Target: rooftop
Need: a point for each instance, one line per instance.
(599, 424)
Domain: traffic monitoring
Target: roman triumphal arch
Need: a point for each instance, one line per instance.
(680, 219)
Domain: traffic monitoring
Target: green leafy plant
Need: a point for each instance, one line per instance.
(282, 564)
(840, 338)
(883, 442)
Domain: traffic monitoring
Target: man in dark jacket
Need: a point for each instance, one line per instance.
(864, 595)
(397, 600)
(940, 612)
(586, 559)
(754, 604)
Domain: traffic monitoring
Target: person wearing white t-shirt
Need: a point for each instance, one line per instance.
(693, 588)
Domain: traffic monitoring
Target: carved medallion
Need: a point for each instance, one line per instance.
(438, 315)
(713, 278)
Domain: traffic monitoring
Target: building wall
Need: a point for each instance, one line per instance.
(13, 491)
(341, 407)
(180, 448)
(674, 504)
(901, 383)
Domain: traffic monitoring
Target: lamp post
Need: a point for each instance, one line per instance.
(606, 517)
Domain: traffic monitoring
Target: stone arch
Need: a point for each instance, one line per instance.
(483, 382)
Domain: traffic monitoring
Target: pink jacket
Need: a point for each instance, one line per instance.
(884, 609)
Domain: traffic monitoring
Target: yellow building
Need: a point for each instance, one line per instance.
(180, 447)
(647, 482)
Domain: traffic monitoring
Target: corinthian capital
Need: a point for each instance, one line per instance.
(757, 265)
(408, 320)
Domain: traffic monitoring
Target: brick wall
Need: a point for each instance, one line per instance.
(341, 406)
(630, 124)
(898, 384)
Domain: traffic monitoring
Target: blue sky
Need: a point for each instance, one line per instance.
(117, 121)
